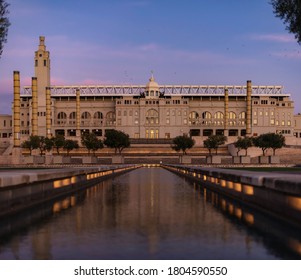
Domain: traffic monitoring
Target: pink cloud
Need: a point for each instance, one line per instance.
(281, 38)
(288, 54)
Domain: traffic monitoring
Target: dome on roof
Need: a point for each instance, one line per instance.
(152, 88)
(152, 85)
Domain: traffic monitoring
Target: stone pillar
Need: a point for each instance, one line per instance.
(34, 120)
(226, 112)
(16, 109)
(77, 112)
(249, 108)
(48, 112)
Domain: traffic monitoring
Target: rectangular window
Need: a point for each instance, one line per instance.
(272, 122)
(255, 122)
(45, 62)
(289, 123)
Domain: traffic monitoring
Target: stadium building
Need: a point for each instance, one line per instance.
(150, 111)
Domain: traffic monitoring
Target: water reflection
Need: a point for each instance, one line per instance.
(149, 213)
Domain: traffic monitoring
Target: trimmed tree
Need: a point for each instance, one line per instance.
(277, 141)
(45, 144)
(182, 143)
(58, 142)
(243, 144)
(70, 145)
(214, 141)
(31, 144)
(117, 140)
(91, 142)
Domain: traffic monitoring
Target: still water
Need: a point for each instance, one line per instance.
(148, 213)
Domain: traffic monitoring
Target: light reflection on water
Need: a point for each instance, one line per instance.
(149, 213)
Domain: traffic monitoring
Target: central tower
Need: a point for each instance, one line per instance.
(42, 73)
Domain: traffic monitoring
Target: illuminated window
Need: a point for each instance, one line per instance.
(152, 117)
(193, 117)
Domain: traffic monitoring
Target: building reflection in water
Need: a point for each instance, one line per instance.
(149, 213)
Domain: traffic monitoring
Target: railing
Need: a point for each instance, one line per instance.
(167, 90)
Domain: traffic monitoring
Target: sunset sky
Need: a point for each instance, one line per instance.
(216, 42)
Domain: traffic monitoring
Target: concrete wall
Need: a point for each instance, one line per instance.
(277, 194)
(21, 189)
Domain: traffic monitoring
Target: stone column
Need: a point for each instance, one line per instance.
(77, 112)
(249, 108)
(34, 120)
(48, 112)
(17, 109)
(226, 112)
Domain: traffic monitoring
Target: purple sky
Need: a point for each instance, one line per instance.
(214, 42)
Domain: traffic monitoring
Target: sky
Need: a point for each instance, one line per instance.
(184, 42)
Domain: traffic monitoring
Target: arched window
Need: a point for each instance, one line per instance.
(242, 115)
(218, 118)
(193, 117)
(86, 116)
(152, 117)
(110, 118)
(98, 115)
(61, 116)
(232, 118)
(242, 118)
(218, 115)
(72, 116)
(206, 116)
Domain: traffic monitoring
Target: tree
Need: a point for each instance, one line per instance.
(58, 142)
(263, 142)
(182, 143)
(290, 12)
(70, 145)
(243, 144)
(214, 141)
(31, 144)
(277, 141)
(45, 144)
(4, 23)
(117, 140)
(91, 142)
